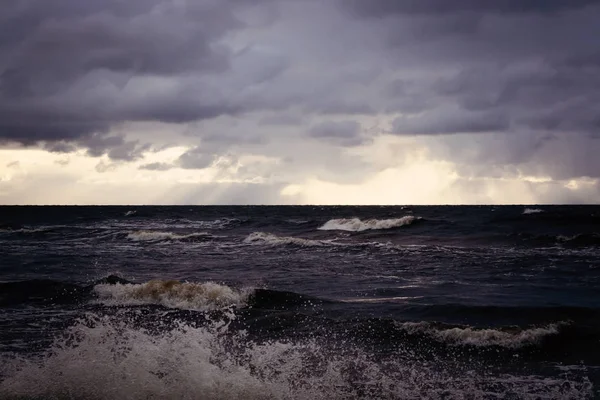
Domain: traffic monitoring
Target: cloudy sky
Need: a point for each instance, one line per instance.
(299, 101)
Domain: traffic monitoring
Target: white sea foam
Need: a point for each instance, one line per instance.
(157, 236)
(130, 212)
(174, 294)
(483, 337)
(268, 239)
(31, 230)
(220, 223)
(532, 211)
(357, 225)
(107, 358)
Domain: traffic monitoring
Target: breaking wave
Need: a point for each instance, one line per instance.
(205, 296)
(357, 225)
(109, 358)
(532, 211)
(156, 236)
(268, 239)
(483, 337)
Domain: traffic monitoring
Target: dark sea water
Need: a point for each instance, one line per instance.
(300, 302)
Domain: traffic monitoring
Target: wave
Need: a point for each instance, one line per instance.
(26, 230)
(470, 336)
(580, 239)
(205, 296)
(130, 213)
(108, 357)
(221, 223)
(269, 239)
(157, 236)
(357, 225)
(532, 211)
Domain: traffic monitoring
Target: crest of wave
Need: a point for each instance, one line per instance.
(174, 294)
(155, 236)
(532, 211)
(357, 225)
(107, 358)
(484, 337)
(274, 240)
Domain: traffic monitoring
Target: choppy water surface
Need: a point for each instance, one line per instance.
(300, 302)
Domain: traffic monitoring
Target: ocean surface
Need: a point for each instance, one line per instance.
(481, 302)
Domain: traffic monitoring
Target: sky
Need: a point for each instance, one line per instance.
(299, 101)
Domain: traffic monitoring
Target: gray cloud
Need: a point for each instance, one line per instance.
(346, 133)
(157, 166)
(378, 8)
(448, 121)
(509, 88)
(72, 70)
(196, 158)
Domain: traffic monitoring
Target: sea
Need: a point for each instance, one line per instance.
(300, 302)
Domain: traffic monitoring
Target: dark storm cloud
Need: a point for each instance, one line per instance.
(72, 71)
(68, 68)
(451, 121)
(378, 8)
(345, 133)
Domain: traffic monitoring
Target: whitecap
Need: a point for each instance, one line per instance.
(483, 337)
(157, 236)
(269, 239)
(173, 294)
(532, 211)
(357, 225)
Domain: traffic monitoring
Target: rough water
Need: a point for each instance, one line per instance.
(300, 302)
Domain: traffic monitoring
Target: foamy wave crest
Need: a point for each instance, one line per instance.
(357, 225)
(268, 239)
(221, 223)
(532, 211)
(106, 358)
(484, 337)
(173, 294)
(157, 236)
(130, 213)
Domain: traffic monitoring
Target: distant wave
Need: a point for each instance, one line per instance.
(157, 236)
(483, 337)
(357, 225)
(130, 212)
(532, 211)
(583, 239)
(577, 240)
(205, 296)
(31, 230)
(268, 239)
(221, 223)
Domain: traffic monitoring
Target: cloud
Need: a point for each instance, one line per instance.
(378, 8)
(451, 120)
(249, 92)
(157, 166)
(345, 133)
(196, 158)
(74, 70)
